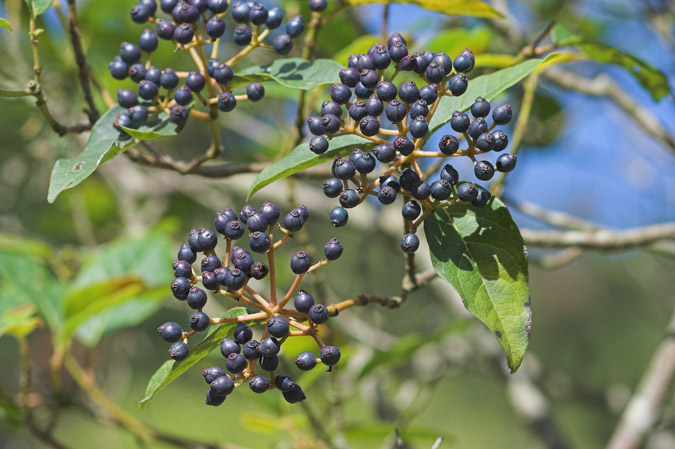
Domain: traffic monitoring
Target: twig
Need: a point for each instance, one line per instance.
(642, 410)
(81, 61)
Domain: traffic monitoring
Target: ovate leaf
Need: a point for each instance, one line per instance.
(39, 6)
(295, 73)
(171, 370)
(480, 252)
(19, 321)
(105, 142)
(651, 78)
(5, 24)
(486, 86)
(475, 8)
(301, 158)
(359, 45)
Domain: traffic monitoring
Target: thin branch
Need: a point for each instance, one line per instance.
(81, 61)
(643, 408)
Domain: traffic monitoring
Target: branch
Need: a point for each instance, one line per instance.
(81, 61)
(642, 410)
(604, 86)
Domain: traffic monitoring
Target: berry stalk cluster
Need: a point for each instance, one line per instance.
(248, 360)
(397, 119)
(194, 26)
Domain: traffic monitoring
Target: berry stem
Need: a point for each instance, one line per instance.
(263, 302)
(273, 277)
(255, 42)
(240, 318)
(290, 292)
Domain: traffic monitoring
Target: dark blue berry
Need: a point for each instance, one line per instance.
(223, 74)
(183, 33)
(118, 69)
(214, 400)
(386, 91)
(283, 383)
(270, 211)
(407, 63)
(448, 145)
(218, 6)
(338, 216)
(502, 115)
(441, 190)
(467, 192)
(295, 26)
(458, 84)
(349, 198)
(485, 142)
(240, 11)
(165, 29)
(147, 89)
(269, 363)
(304, 213)
(419, 127)
(168, 5)
(242, 333)
(150, 4)
(318, 144)
(419, 108)
(434, 72)
(222, 385)
(408, 178)
(226, 101)
(333, 248)
(210, 263)
(465, 61)
(364, 62)
(234, 230)
(212, 373)
(246, 211)
(148, 41)
(138, 114)
(153, 74)
(259, 242)
(303, 301)
(429, 93)
(126, 98)
(306, 361)
(199, 321)
(229, 346)
(269, 346)
(242, 260)
(449, 173)
(408, 92)
(390, 181)
(318, 313)
(170, 331)
(411, 210)
(506, 162)
(251, 350)
(355, 155)
(314, 125)
(365, 164)
(283, 44)
(460, 121)
(259, 270)
(220, 276)
(482, 198)
(386, 195)
(398, 51)
(195, 81)
(444, 61)
(350, 76)
(182, 268)
(374, 106)
(357, 110)
(215, 27)
(331, 107)
(236, 363)
(123, 120)
(403, 145)
(274, 18)
(395, 111)
(362, 91)
(300, 262)
(179, 351)
(294, 395)
(396, 37)
(209, 280)
(343, 168)
(330, 355)
(223, 217)
(477, 127)
(340, 93)
(480, 108)
(211, 66)
(168, 80)
(259, 384)
(257, 222)
(384, 152)
(255, 91)
(185, 13)
(242, 35)
(317, 5)
(330, 123)
(130, 53)
(196, 298)
(501, 140)
(207, 240)
(380, 57)
(332, 187)
(369, 78)
(277, 326)
(258, 14)
(369, 125)
(185, 253)
(421, 62)
(137, 73)
(409, 243)
(293, 221)
(421, 190)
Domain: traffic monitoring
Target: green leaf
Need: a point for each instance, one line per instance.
(454, 40)
(171, 370)
(39, 6)
(486, 86)
(359, 45)
(379, 431)
(480, 252)
(5, 24)
(301, 158)
(651, 78)
(295, 73)
(105, 142)
(19, 321)
(475, 8)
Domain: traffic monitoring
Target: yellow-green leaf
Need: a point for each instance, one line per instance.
(475, 8)
(5, 24)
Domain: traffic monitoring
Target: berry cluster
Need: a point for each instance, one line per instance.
(193, 25)
(397, 118)
(230, 277)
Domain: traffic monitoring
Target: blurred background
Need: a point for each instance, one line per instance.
(428, 368)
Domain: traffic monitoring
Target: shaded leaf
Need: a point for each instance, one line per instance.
(301, 158)
(295, 73)
(19, 321)
(475, 8)
(480, 252)
(651, 78)
(486, 86)
(171, 370)
(105, 142)
(378, 432)
(5, 24)
(39, 6)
